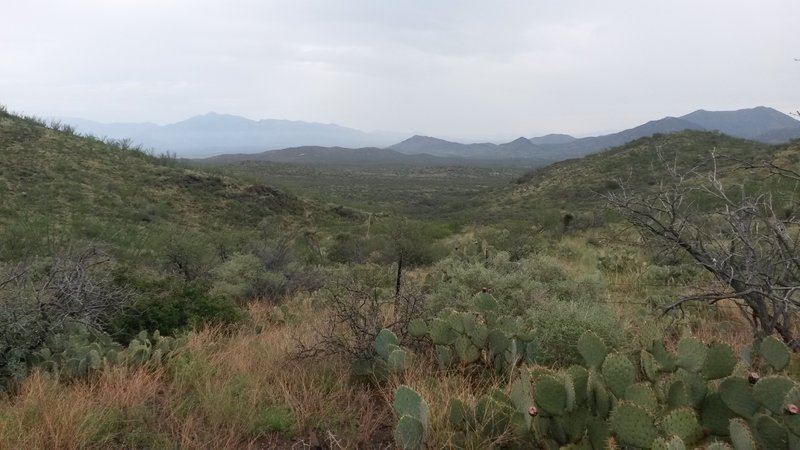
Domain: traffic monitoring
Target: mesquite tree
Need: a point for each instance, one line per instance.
(734, 234)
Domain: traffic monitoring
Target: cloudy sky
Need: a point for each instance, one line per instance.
(440, 67)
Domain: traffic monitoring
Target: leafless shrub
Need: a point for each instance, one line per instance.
(357, 311)
(731, 233)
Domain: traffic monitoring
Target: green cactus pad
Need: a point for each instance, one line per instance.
(741, 436)
(720, 361)
(399, 360)
(467, 353)
(648, 365)
(715, 416)
(618, 373)
(771, 392)
(592, 349)
(642, 394)
(770, 434)
(498, 341)
(441, 333)
(667, 362)
(383, 341)
(737, 394)
(408, 403)
(574, 424)
(417, 328)
(513, 354)
(682, 422)
(597, 431)
(409, 433)
(792, 421)
(774, 352)
(522, 397)
(484, 302)
(444, 356)
(677, 393)
(580, 381)
(633, 425)
(550, 395)
(598, 396)
(696, 387)
(691, 354)
(478, 333)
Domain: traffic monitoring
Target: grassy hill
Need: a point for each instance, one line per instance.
(57, 186)
(576, 185)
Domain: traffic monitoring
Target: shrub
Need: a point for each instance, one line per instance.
(185, 305)
(558, 326)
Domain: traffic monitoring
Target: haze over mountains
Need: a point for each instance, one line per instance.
(213, 133)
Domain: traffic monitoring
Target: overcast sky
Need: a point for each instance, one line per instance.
(438, 67)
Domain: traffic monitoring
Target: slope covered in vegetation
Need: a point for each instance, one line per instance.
(145, 305)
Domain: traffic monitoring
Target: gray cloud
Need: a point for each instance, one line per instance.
(445, 67)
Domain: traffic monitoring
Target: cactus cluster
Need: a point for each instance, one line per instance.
(412, 418)
(658, 399)
(79, 350)
(699, 396)
(391, 357)
(482, 336)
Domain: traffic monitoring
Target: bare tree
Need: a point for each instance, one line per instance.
(37, 301)
(737, 237)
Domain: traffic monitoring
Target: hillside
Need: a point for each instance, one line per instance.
(760, 123)
(314, 155)
(59, 186)
(575, 185)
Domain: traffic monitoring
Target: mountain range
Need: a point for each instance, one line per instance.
(215, 134)
(760, 124)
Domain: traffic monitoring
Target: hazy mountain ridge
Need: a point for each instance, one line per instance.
(760, 124)
(214, 133)
(217, 134)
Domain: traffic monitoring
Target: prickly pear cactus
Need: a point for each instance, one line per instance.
(633, 425)
(774, 352)
(592, 349)
(412, 413)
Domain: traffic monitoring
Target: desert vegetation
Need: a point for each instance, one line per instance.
(643, 297)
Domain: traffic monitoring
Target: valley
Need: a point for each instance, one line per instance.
(634, 290)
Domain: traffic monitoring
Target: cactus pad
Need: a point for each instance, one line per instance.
(774, 352)
(592, 349)
(737, 394)
(720, 361)
(618, 373)
(682, 422)
(715, 416)
(691, 354)
(771, 392)
(741, 436)
(551, 395)
(409, 433)
(383, 341)
(633, 425)
(770, 434)
(417, 328)
(642, 394)
(466, 351)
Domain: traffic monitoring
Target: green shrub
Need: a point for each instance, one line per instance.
(184, 306)
(558, 325)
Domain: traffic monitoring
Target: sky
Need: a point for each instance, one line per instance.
(455, 68)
